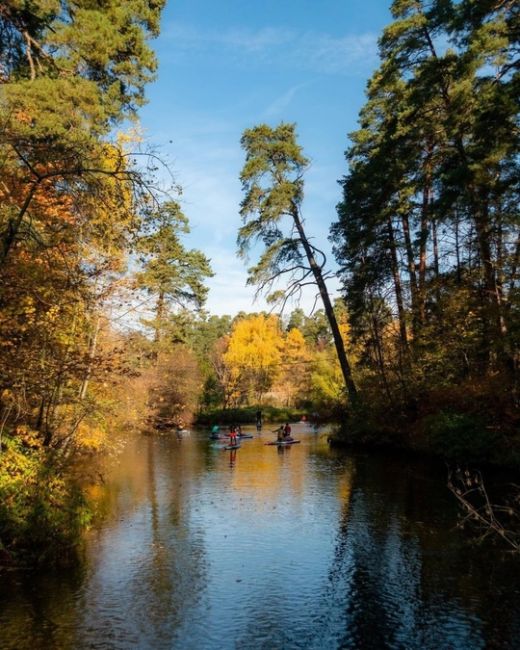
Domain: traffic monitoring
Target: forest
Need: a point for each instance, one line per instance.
(422, 350)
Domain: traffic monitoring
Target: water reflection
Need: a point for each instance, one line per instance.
(144, 560)
(266, 547)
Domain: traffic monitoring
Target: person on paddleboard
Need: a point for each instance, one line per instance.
(258, 420)
(232, 436)
(287, 431)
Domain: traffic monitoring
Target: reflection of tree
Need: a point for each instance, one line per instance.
(35, 608)
(171, 579)
(157, 585)
(264, 471)
(147, 568)
(395, 581)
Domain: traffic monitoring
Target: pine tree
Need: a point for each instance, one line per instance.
(272, 180)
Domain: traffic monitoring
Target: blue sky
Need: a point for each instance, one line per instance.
(228, 65)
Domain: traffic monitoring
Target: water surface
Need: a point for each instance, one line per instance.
(302, 547)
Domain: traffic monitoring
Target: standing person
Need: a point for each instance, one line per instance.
(258, 420)
(287, 431)
(232, 436)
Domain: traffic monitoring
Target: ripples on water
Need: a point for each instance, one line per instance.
(300, 547)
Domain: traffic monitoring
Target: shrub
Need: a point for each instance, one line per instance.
(42, 511)
(461, 437)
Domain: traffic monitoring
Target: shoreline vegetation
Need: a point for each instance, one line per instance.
(459, 425)
(247, 415)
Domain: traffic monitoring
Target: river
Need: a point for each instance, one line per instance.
(303, 547)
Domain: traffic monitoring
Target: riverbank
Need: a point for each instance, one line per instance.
(472, 436)
(247, 415)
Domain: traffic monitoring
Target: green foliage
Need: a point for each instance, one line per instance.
(247, 415)
(170, 272)
(326, 385)
(42, 511)
(462, 437)
(273, 190)
(427, 232)
(101, 47)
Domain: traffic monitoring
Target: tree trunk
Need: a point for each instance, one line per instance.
(514, 266)
(13, 225)
(379, 355)
(436, 268)
(412, 273)
(41, 411)
(91, 353)
(490, 279)
(327, 305)
(457, 250)
(397, 287)
(159, 316)
(423, 237)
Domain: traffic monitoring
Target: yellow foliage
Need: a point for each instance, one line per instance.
(255, 342)
(28, 437)
(253, 356)
(90, 437)
(295, 348)
(132, 136)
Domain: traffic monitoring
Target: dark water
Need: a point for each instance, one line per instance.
(268, 548)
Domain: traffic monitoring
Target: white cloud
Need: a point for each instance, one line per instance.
(281, 103)
(190, 38)
(338, 55)
(314, 51)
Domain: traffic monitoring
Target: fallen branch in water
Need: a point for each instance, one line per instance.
(503, 520)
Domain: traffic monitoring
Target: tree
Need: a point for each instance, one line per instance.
(174, 275)
(70, 73)
(477, 111)
(254, 354)
(296, 366)
(427, 231)
(296, 319)
(272, 181)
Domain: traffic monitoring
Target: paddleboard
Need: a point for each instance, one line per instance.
(245, 436)
(283, 443)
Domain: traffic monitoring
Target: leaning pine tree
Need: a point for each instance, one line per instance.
(272, 180)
